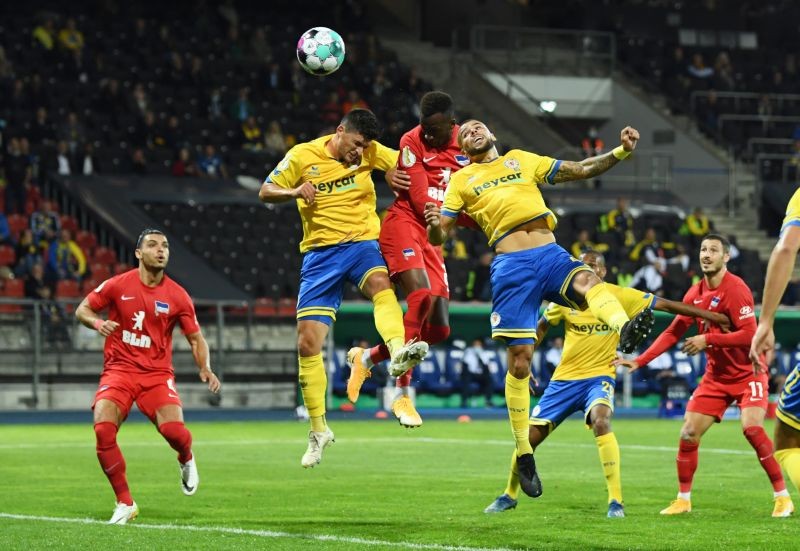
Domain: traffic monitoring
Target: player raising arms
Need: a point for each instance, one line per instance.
(585, 379)
(330, 178)
(501, 194)
(143, 307)
(729, 375)
(780, 267)
(429, 153)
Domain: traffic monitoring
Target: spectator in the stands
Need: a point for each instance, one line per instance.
(38, 94)
(251, 138)
(475, 369)
(72, 132)
(765, 112)
(592, 145)
(87, 161)
(233, 44)
(173, 135)
(619, 222)
(64, 160)
(381, 83)
(44, 34)
(29, 252)
(147, 134)
(652, 254)
(479, 287)
(723, 73)
(210, 164)
(5, 231)
(35, 281)
(454, 248)
(53, 316)
(65, 258)
(17, 99)
(552, 356)
(275, 77)
(139, 102)
(260, 48)
(779, 84)
(112, 101)
(242, 108)
(353, 101)
(18, 174)
(708, 112)
(70, 38)
(42, 131)
(139, 162)
(700, 73)
(45, 223)
(274, 140)
(33, 160)
(584, 243)
(697, 226)
(331, 110)
(197, 74)
(6, 67)
(216, 109)
(184, 165)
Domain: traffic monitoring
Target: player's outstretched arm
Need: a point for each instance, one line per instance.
(594, 166)
(779, 269)
(270, 193)
(438, 225)
(683, 309)
(203, 361)
(92, 320)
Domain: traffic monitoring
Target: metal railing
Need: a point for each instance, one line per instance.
(738, 96)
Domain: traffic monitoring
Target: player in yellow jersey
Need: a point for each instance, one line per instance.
(780, 267)
(501, 194)
(330, 178)
(585, 380)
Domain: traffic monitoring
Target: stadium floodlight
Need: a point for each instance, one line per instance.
(548, 106)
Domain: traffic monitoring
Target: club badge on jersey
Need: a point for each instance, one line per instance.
(162, 307)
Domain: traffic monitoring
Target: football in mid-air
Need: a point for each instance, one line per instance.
(320, 51)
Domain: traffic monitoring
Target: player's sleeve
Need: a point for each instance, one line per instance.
(187, 318)
(287, 173)
(671, 334)
(543, 168)
(385, 157)
(100, 297)
(792, 217)
(742, 312)
(554, 314)
(453, 202)
(410, 161)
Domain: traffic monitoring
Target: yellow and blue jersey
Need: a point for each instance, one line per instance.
(792, 217)
(344, 207)
(502, 194)
(589, 344)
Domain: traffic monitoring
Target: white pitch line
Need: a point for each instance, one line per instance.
(259, 533)
(363, 441)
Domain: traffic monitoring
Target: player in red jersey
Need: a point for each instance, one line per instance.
(429, 153)
(729, 373)
(143, 307)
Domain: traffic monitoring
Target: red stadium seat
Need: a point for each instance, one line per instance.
(100, 271)
(7, 255)
(17, 223)
(104, 255)
(14, 288)
(86, 241)
(120, 267)
(89, 285)
(265, 307)
(287, 307)
(67, 288)
(69, 223)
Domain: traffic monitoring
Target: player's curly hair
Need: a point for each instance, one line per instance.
(145, 233)
(435, 102)
(362, 121)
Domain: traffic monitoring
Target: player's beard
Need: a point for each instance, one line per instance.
(485, 146)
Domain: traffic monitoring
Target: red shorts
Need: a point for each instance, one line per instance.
(405, 247)
(713, 398)
(150, 391)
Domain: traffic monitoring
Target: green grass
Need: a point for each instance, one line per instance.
(381, 487)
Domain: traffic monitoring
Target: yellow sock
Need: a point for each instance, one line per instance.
(789, 459)
(518, 402)
(313, 383)
(605, 307)
(512, 488)
(389, 319)
(608, 448)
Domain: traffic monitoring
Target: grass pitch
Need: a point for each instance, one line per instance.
(381, 487)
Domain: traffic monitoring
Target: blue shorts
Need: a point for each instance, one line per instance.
(325, 271)
(520, 281)
(563, 398)
(789, 402)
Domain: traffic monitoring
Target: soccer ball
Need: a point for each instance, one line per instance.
(320, 51)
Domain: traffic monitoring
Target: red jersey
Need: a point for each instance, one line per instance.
(727, 353)
(429, 170)
(146, 318)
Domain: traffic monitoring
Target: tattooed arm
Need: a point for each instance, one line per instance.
(594, 166)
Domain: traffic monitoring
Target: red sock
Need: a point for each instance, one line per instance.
(112, 461)
(379, 353)
(179, 437)
(763, 445)
(687, 464)
(419, 306)
(433, 334)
